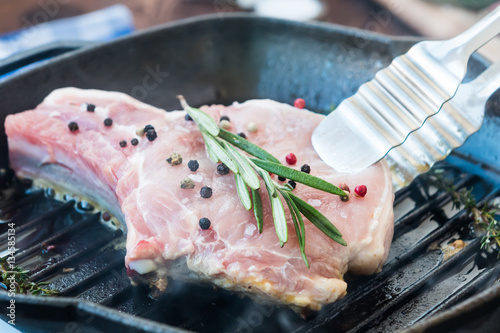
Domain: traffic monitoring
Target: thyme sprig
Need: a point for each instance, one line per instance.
(220, 146)
(21, 280)
(484, 217)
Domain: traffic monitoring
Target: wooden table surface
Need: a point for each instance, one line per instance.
(17, 14)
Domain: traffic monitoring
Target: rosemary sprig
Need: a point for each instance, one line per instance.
(298, 176)
(484, 217)
(247, 146)
(220, 145)
(298, 224)
(21, 280)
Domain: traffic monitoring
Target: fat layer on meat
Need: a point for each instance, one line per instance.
(142, 190)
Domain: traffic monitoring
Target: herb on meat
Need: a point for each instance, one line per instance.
(483, 217)
(221, 146)
(11, 275)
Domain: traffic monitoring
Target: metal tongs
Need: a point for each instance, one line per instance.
(381, 115)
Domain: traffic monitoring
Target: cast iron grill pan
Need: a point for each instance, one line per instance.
(239, 57)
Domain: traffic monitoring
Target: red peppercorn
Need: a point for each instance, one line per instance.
(360, 191)
(299, 103)
(344, 187)
(291, 159)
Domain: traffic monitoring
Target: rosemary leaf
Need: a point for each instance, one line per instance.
(247, 146)
(219, 152)
(210, 152)
(245, 169)
(242, 189)
(298, 176)
(298, 224)
(257, 209)
(267, 179)
(318, 219)
(200, 117)
(279, 218)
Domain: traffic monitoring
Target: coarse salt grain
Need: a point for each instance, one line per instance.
(196, 177)
(250, 229)
(314, 202)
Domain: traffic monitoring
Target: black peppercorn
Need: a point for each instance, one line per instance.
(204, 223)
(188, 117)
(193, 165)
(151, 134)
(123, 143)
(224, 118)
(148, 127)
(281, 179)
(73, 126)
(134, 142)
(292, 183)
(305, 168)
(222, 169)
(345, 198)
(108, 122)
(90, 107)
(242, 135)
(206, 192)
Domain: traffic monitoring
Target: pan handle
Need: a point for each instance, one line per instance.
(25, 58)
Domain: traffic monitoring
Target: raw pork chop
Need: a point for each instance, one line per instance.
(142, 190)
